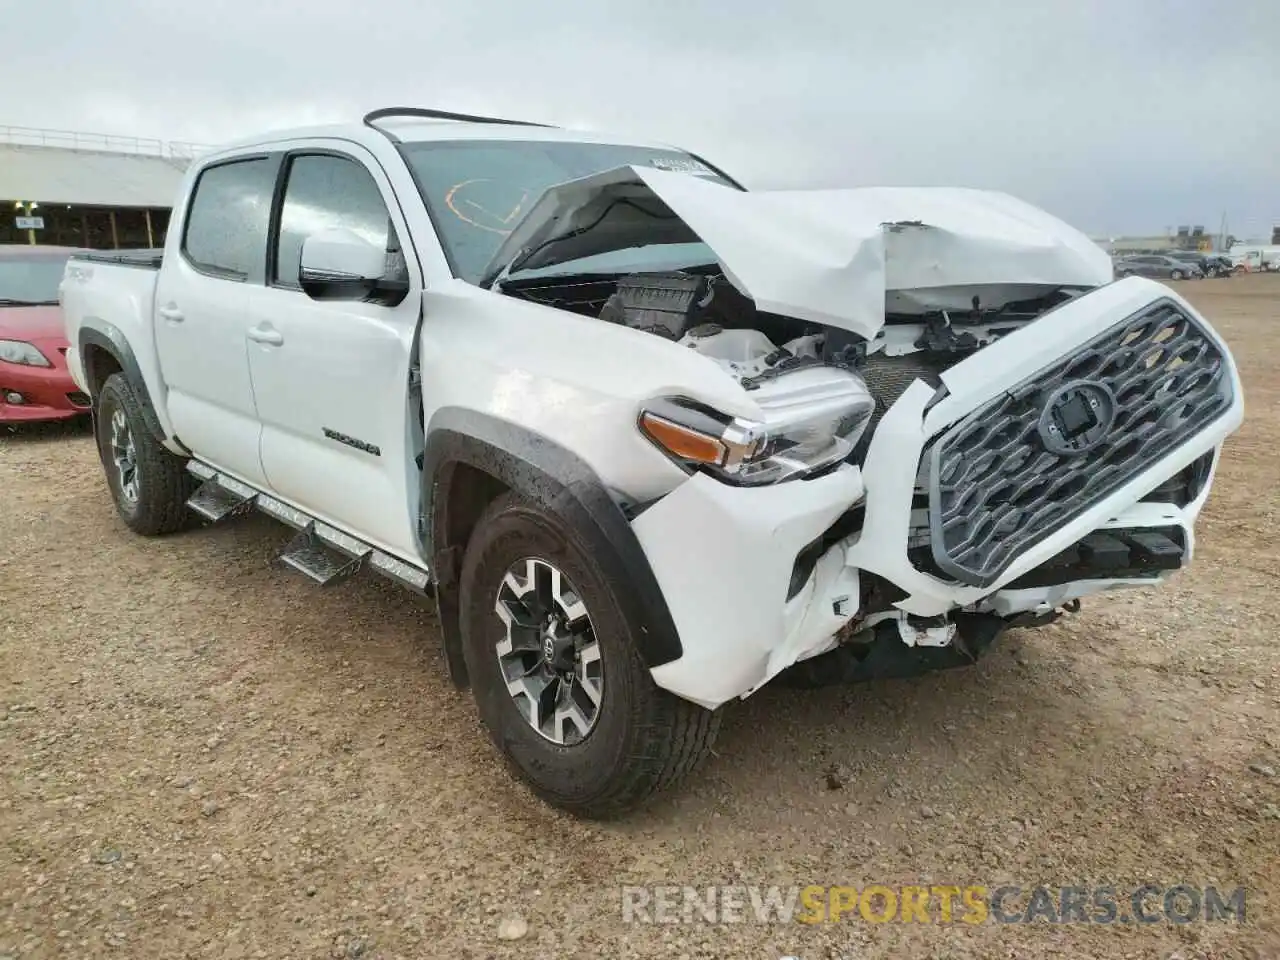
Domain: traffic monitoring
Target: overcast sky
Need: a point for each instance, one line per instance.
(1118, 115)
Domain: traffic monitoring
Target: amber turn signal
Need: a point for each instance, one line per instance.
(682, 442)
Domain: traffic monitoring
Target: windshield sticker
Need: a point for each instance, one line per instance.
(681, 165)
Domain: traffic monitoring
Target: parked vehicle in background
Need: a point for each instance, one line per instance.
(34, 381)
(1255, 259)
(1158, 266)
(1209, 265)
(1220, 264)
(650, 439)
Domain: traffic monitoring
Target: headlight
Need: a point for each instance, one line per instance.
(812, 419)
(15, 351)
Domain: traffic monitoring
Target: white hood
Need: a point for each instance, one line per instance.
(825, 256)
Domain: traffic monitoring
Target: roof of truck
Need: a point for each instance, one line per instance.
(416, 130)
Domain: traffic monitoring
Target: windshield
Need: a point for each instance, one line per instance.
(478, 190)
(30, 279)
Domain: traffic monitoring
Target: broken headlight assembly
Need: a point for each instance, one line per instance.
(811, 424)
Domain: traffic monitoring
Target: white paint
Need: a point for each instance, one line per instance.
(723, 557)
(255, 409)
(827, 256)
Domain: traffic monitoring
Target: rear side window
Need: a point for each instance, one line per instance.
(226, 232)
(325, 192)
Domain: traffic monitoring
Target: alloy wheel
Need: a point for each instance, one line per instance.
(124, 456)
(549, 656)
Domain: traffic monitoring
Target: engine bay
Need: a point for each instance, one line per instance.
(700, 309)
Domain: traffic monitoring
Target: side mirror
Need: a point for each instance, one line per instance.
(341, 265)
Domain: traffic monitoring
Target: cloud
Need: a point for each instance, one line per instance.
(1120, 116)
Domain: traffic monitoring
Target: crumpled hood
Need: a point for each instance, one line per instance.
(825, 256)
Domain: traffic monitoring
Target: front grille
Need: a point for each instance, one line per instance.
(79, 399)
(1023, 465)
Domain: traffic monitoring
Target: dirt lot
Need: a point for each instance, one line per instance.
(203, 755)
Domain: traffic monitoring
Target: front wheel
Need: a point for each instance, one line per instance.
(149, 484)
(1175, 275)
(557, 673)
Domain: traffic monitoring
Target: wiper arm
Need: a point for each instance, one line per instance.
(493, 279)
(11, 302)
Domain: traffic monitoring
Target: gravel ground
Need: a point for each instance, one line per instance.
(205, 756)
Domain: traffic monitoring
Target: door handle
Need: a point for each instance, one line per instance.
(266, 334)
(171, 313)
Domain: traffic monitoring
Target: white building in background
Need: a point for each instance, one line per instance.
(87, 190)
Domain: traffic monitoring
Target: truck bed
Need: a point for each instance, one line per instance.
(115, 288)
(149, 259)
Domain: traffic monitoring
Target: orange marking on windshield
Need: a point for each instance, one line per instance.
(452, 201)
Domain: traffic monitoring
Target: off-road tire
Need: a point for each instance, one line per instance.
(644, 738)
(163, 483)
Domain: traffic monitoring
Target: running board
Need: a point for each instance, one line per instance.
(220, 498)
(323, 554)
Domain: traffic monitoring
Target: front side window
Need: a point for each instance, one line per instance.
(226, 232)
(30, 280)
(329, 193)
(478, 190)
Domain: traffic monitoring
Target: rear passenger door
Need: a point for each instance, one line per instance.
(201, 310)
(331, 377)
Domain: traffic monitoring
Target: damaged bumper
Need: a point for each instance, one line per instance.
(758, 579)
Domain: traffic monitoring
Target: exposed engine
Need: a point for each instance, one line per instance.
(704, 312)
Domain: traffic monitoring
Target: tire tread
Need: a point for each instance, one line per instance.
(162, 507)
(669, 738)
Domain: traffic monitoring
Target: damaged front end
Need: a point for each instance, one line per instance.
(957, 423)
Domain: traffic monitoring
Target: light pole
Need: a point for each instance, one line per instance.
(25, 209)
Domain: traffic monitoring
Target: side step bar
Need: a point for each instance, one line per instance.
(323, 554)
(222, 498)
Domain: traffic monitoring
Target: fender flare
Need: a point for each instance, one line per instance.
(109, 338)
(540, 469)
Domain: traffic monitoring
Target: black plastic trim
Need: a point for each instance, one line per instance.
(1110, 554)
(542, 470)
(426, 113)
(109, 338)
(148, 259)
(717, 171)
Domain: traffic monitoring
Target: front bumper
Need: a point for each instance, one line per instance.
(48, 393)
(725, 557)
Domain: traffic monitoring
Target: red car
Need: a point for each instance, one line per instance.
(34, 382)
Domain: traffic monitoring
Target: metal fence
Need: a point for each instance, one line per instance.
(180, 150)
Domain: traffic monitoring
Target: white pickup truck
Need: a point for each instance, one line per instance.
(651, 440)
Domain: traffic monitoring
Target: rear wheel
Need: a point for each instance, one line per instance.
(557, 674)
(149, 484)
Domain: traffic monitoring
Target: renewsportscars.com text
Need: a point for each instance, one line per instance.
(936, 903)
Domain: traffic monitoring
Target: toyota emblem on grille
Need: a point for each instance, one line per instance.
(1077, 417)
